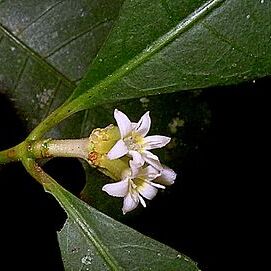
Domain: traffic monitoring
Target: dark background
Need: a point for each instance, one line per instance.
(209, 215)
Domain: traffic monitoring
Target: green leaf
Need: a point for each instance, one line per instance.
(155, 47)
(165, 46)
(91, 240)
(45, 49)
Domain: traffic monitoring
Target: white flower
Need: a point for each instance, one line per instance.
(134, 141)
(137, 184)
(167, 176)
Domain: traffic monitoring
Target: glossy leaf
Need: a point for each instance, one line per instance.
(165, 46)
(45, 49)
(91, 240)
(156, 47)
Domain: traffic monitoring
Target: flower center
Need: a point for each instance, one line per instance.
(138, 183)
(134, 142)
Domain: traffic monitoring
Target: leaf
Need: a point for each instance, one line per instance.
(91, 240)
(45, 49)
(165, 46)
(225, 44)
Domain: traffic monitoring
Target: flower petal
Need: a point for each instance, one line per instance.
(118, 189)
(142, 201)
(134, 125)
(129, 203)
(134, 169)
(152, 160)
(124, 124)
(156, 141)
(137, 161)
(147, 190)
(157, 185)
(118, 150)
(167, 177)
(148, 173)
(144, 124)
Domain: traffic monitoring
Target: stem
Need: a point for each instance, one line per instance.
(36, 172)
(46, 148)
(17, 152)
(13, 154)
(61, 113)
(60, 148)
(86, 99)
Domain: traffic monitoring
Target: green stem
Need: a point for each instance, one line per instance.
(61, 113)
(75, 104)
(17, 152)
(13, 154)
(37, 173)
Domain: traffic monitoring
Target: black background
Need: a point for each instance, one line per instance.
(220, 194)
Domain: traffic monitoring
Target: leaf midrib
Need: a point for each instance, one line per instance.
(84, 227)
(37, 57)
(81, 101)
(148, 52)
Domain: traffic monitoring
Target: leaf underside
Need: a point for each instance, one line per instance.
(45, 49)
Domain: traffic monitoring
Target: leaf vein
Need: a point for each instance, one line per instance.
(155, 47)
(21, 73)
(39, 17)
(160, 87)
(89, 233)
(225, 39)
(73, 38)
(129, 84)
(36, 56)
(67, 239)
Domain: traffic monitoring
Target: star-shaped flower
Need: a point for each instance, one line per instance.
(137, 184)
(134, 141)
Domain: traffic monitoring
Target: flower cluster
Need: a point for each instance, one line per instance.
(145, 173)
